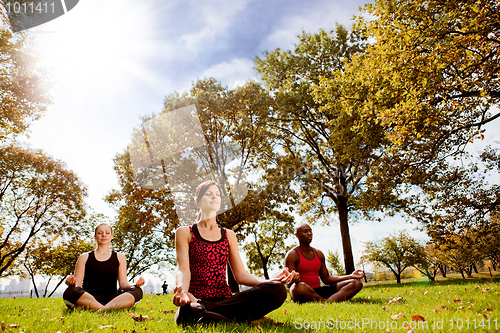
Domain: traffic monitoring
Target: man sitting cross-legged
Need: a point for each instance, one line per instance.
(309, 265)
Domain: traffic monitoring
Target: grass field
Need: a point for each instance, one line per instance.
(447, 305)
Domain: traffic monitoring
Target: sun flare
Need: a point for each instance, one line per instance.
(99, 45)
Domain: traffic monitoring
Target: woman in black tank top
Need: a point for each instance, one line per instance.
(94, 284)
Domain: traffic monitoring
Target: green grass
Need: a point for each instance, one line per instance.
(474, 302)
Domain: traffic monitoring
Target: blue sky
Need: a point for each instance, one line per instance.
(114, 61)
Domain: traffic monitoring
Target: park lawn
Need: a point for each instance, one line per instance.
(447, 305)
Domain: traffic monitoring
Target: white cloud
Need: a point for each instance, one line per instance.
(214, 19)
(323, 17)
(233, 73)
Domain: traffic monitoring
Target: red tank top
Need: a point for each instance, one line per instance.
(309, 269)
(207, 263)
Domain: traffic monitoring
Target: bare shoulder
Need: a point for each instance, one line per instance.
(231, 235)
(83, 257)
(321, 256)
(292, 255)
(121, 257)
(182, 231)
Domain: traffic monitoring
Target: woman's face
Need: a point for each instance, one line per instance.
(103, 234)
(211, 200)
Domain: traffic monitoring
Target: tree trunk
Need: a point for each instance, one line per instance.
(398, 278)
(60, 282)
(346, 238)
(264, 266)
(475, 268)
(442, 268)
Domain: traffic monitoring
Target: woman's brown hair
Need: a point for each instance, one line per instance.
(200, 191)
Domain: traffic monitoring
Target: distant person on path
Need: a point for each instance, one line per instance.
(164, 286)
(93, 286)
(309, 264)
(203, 251)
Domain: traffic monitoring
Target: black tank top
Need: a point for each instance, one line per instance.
(101, 276)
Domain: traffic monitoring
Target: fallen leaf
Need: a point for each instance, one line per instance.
(284, 311)
(259, 328)
(411, 331)
(139, 318)
(387, 331)
(425, 293)
(107, 326)
(437, 310)
(485, 315)
(13, 326)
(322, 305)
(417, 318)
(397, 316)
(488, 309)
(457, 300)
(396, 299)
(150, 307)
(169, 311)
(385, 308)
(45, 309)
(460, 307)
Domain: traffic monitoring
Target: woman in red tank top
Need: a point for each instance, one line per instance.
(203, 251)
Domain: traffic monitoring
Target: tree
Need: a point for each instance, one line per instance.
(429, 261)
(268, 246)
(145, 223)
(23, 85)
(430, 78)
(333, 259)
(53, 259)
(39, 198)
(334, 162)
(210, 132)
(396, 252)
(459, 251)
(487, 237)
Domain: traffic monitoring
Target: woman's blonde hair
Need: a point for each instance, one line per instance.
(100, 224)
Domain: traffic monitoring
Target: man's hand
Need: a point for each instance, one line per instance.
(358, 274)
(180, 298)
(140, 282)
(71, 281)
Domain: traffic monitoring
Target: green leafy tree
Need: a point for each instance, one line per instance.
(23, 85)
(396, 252)
(330, 152)
(333, 259)
(39, 199)
(268, 248)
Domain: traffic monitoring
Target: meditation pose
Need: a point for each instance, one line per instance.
(309, 264)
(94, 284)
(203, 251)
